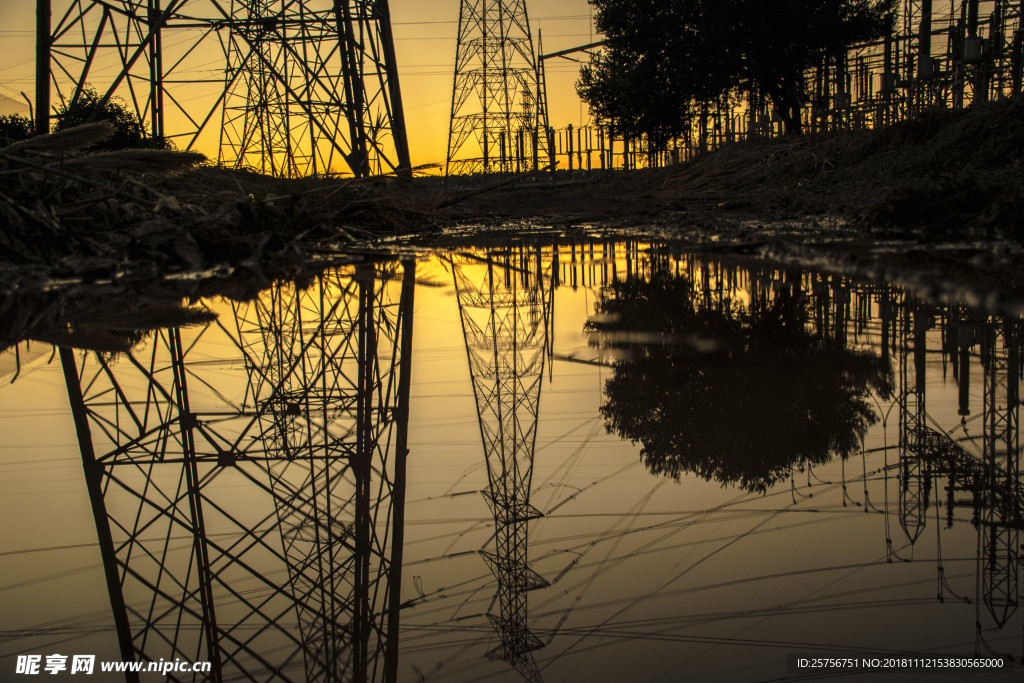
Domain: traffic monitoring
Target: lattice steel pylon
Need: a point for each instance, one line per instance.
(285, 87)
(504, 305)
(499, 120)
(248, 479)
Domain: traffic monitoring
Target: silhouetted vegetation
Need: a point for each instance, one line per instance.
(87, 106)
(664, 60)
(65, 196)
(14, 127)
(735, 394)
(72, 209)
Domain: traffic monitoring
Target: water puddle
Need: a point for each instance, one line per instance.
(530, 460)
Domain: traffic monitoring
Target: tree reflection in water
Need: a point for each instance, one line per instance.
(732, 392)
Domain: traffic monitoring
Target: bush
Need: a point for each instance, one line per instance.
(14, 127)
(87, 106)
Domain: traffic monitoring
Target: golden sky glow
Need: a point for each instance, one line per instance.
(425, 32)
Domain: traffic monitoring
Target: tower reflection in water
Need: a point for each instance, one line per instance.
(505, 303)
(249, 504)
(248, 476)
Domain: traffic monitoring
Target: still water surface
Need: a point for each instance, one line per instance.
(597, 462)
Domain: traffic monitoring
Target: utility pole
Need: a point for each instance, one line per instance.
(1001, 517)
(42, 108)
(924, 41)
(914, 441)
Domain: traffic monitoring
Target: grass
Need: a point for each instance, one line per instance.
(72, 211)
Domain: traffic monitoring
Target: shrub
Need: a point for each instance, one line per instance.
(14, 127)
(87, 106)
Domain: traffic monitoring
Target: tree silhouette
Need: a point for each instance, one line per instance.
(14, 127)
(734, 394)
(666, 57)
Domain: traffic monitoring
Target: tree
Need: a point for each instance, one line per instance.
(664, 58)
(14, 127)
(87, 106)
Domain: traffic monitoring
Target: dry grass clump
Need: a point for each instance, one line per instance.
(86, 236)
(76, 211)
(58, 199)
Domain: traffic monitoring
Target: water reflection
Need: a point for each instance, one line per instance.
(984, 460)
(256, 521)
(98, 322)
(505, 306)
(744, 392)
(733, 391)
(824, 466)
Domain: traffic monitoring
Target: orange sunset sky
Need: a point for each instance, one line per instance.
(425, 32)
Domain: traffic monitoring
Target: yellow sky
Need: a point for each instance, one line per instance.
(425, 32)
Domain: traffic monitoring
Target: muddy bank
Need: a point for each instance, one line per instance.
(946, 175)
(943, 175)
(936, 203)
(99, 245)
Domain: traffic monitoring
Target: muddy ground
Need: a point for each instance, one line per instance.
(944, 175)
(935, 203)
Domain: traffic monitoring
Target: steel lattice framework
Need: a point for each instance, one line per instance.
(499, 113)
(1001, 516)
(285, 87)
(993, 479)
(915, 475)
(937, 54)
(505, 306)
(250, 504)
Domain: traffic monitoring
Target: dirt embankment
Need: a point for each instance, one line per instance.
(67, 210)
(70, 218)
(943, 175)
(103, 242)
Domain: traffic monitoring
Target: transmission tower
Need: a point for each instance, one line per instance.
(284, 87)
(505, 305)
(247, 481)
(499, 120)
